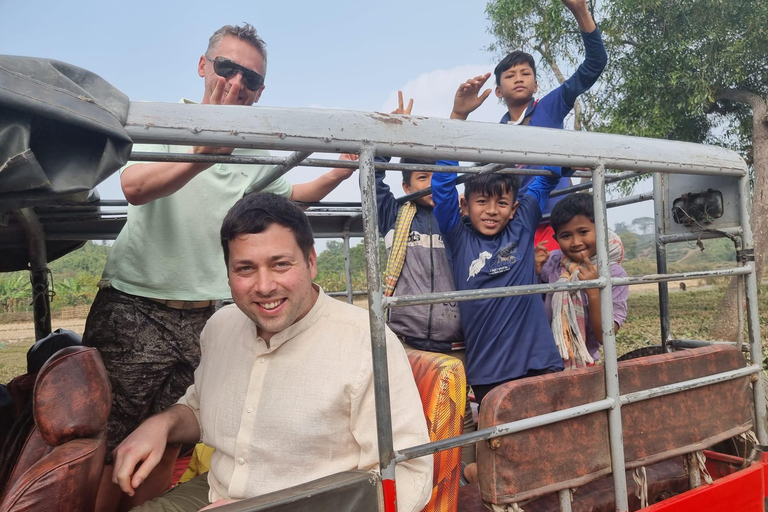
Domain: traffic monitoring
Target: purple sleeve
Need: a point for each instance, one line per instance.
(620, 295)
(550, 271)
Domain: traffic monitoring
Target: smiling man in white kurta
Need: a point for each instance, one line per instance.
(284, 390)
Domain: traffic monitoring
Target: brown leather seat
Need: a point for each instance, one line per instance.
(60, 465)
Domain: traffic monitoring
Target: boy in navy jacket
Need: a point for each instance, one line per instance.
(516, 84)
(506, 338)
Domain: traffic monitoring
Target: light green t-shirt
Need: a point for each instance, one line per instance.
(169, 248)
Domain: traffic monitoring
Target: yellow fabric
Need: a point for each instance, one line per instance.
(199, 464)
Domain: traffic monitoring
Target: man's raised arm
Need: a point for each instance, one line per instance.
(142, 183)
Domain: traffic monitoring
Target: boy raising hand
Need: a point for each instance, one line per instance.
(516, 84)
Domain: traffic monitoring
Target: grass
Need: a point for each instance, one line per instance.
(691, 316)
(13, 360)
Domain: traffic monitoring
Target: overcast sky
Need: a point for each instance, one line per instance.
(331, 54)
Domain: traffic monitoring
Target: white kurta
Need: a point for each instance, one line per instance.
(304, 407)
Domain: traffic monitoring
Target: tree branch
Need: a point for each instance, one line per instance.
(755, 101)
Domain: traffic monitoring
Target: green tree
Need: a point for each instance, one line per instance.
(695, 71)
(547, 30)
(644, 224)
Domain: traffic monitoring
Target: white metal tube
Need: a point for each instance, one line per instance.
(615, 433)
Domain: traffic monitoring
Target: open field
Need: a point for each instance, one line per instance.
(692, 314)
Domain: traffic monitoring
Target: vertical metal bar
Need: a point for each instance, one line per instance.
(38, 270)
(661, 256)
(378, 329)
(753, 319)
(565, 500)
(348, 267)
(609, 342)
(740, 311)
(692, 465)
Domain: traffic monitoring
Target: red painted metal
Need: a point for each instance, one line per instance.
(743, 491)
(390, 495)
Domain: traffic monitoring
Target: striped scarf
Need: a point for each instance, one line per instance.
(396, 257)
(568, 318)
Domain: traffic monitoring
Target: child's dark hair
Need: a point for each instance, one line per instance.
(513, 59)
(492, 185)
(421, 161)
(571, 206)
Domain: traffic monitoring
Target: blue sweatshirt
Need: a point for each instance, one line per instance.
(505, 337)
(551, 110)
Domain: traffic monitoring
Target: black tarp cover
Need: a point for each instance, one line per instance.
(61, 131)
(61, 134)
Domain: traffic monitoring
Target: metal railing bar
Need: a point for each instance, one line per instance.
(681, 343)
(290, 162)
(504, 429)
(435, 298)
(669, 389)
(701, 235)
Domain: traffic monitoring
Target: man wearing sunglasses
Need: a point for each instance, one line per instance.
(164, 273)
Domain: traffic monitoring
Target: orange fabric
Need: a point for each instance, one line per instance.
(545, 233)
(442, 383)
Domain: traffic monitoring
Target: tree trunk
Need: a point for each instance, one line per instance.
(725, 322)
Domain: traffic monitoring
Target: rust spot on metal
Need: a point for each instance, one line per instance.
(495, 443)
(386, 118)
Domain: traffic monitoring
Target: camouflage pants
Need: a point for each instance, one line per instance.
(150, 352)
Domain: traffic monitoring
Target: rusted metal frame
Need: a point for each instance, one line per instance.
(622, 201)
(707, 380)
(610, 178)
(615, 432)
(678, 343)
(414, 136)
(661, 258)
(291, 161)
(737, 243)
(355, 293)
(348, 262)
(702, 235)
(679, 276)
(378, 326)
(753, 319)
(488, 293)
(504, 429)
(485, 169)
(38, 270)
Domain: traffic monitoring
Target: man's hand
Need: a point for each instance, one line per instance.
(541, 256)
(217, 98)
(144, 446)
(400, 109)
(580, 11)
(468, 96)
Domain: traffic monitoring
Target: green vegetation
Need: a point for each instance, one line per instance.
(74, 280)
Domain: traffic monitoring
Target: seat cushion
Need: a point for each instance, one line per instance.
(576, 451)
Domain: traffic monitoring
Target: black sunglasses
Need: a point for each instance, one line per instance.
(227, 68)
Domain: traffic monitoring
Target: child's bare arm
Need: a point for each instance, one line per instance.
(468, 97)
(580, 11)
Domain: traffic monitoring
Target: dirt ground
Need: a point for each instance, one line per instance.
(24, 332)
